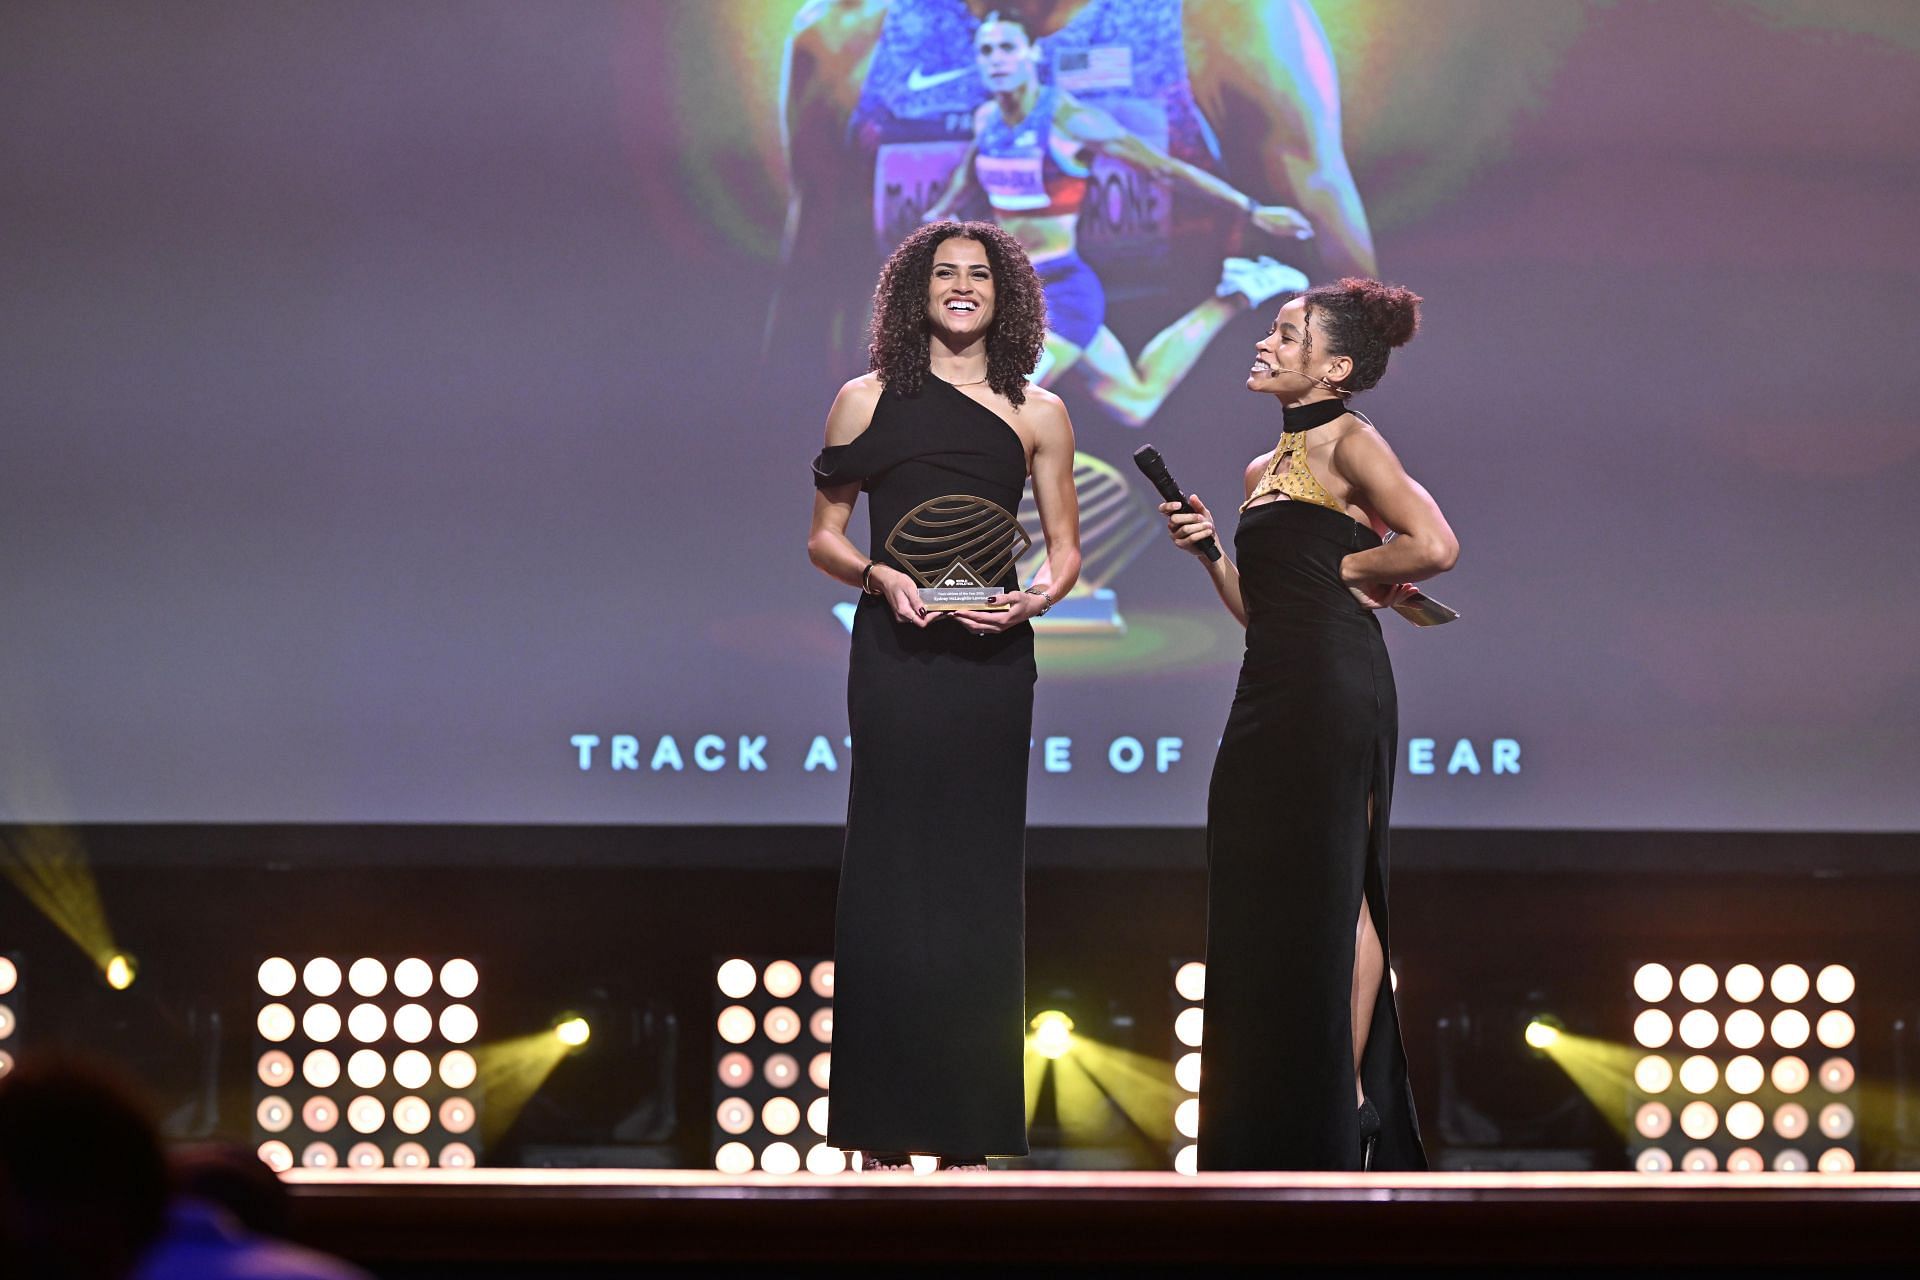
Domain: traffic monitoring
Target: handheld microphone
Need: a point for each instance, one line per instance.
(1147, 458)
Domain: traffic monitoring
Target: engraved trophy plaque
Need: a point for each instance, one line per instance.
(959, 548)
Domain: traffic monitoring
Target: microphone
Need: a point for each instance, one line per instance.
(1147, 458)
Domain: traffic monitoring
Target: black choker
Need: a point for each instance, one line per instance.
(1305, 417)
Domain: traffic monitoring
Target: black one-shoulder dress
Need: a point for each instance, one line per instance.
(929, 966)
(1309, 745)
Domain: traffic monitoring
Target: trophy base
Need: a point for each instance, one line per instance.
(953, 599)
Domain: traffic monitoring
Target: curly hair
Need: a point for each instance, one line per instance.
(1363, 319)
(897, 349)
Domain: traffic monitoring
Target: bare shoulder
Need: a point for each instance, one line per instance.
(1256, 469)
(1363, 447)
(853, 407)
(1045, 415)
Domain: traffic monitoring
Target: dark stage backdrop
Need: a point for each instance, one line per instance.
(396, 424)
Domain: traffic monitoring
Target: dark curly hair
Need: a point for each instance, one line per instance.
(897, 350)
(1364, 320)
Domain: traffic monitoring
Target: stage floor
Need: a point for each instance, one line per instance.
(590, 1218)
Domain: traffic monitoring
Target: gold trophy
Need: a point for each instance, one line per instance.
(959, 548)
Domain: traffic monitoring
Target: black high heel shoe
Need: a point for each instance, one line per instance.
(1369, 1133)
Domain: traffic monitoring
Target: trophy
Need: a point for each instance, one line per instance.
(959, 548)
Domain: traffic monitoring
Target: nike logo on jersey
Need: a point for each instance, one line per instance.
(919, 82)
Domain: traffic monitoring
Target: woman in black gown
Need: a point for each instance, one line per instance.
(1302, 1064)
(929, 1005)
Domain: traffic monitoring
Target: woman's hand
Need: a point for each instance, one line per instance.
(902, 595)
(1189, 529)
(1381, 595)
(1022, 606)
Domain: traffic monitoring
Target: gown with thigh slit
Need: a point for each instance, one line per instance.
(929, 1005)
(1309, 745)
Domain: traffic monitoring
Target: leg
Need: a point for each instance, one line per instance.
(1135, 392)
(1369, 965)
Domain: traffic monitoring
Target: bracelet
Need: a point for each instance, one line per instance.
(866, 580)
(1035, 591)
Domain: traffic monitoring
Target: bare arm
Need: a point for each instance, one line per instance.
(1425, 546)
(962, 173)
(828, 546)
(1053, 494)
(1189, 530)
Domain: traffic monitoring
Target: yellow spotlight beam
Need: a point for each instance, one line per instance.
(1601, 1069)
(49, 867)
(1094, 1080)
(512, 1071)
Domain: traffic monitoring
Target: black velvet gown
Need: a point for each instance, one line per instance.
(1312, 736)
(929, 1003)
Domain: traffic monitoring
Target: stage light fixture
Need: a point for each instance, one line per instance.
(1789, 1028)
(1789, 1160)
(367, 1069)
(1745, 1075)
(1745, 1160)
(367, 977)
(1187, 1160)
(1790, 1120)
(459, 978)
(1698, 1029)
(1653, 1160)
(782, 1025)
(1653, 982)
(1789, 1074)
(389, 1099)
(276, 1155)
(321, 977)
(1699, 1119)
(121, 970)
(458, 1070)
(1835, 984)
(736, 1024)
(1836, 1075)
(413, 977)
(412, 1023)
(1745, 983)
(1836, 1160)
(1186, 1072)
(781, 979)
(458, 1024)
(1699, 1074)
(1653, 1029)
(277, 978)
(1189, 1027)
(772, 1014)
(1700, 1160)
(1835, 1029)
(1790, 984)
(1052, 1034)
(1186, 1118)
(1745, 1029)
(366, 1023)
(1836, 1120)
(1190, 980)
(274, 1022)
(1541, 1035)
(573, 1031)
(737, 979)
(1652, 1120)
(1745, 1120)
(412, 1069)
(320, 1023)
(273, 1114)
(1699, 983)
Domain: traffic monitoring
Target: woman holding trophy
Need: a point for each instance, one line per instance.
(941, 435)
